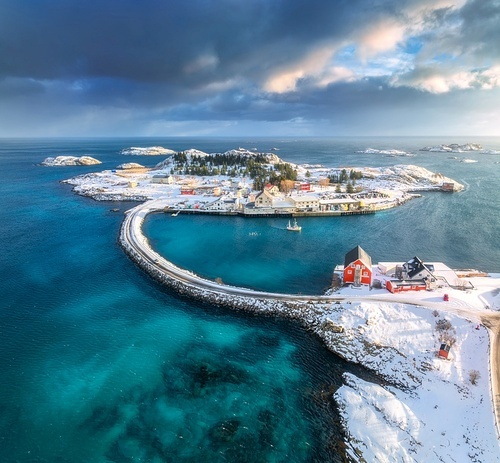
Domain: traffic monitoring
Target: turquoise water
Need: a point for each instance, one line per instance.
(460, 229)
(98, 363)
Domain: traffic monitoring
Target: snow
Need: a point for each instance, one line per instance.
(445, 417)
(453, 148)
(387, 152)
(148, 151)
(70, 161)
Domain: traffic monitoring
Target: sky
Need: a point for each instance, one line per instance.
(249, 67)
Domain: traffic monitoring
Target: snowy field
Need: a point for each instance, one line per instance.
(441, 410)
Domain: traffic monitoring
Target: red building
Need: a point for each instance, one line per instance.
(304, 187)
(398, 286)
(444, 351)
(357, 267)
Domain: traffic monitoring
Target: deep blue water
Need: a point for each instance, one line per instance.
(99, 363)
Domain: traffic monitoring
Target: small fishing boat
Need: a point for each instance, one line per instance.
(294, 227)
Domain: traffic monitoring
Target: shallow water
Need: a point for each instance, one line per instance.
(99, 363)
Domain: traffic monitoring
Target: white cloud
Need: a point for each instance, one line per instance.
(285, 78)
(380, 37)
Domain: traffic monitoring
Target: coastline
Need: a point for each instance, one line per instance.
(323, 315)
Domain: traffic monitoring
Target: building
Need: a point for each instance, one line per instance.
(305, 202)
(357, 267)
(264, 199)
(415, 269)
(399, 286)
(303, 186)
(273, 189)
(222, 205)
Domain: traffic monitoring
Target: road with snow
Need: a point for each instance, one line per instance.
(132, 236)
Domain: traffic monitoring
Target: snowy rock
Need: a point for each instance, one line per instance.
(453, 148)
(70, 161)
(148, 151)
(390, 152)
(130, 165)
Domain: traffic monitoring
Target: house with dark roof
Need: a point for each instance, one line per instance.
(415, 269)
(357, 267)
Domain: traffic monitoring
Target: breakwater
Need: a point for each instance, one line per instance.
(312, 312)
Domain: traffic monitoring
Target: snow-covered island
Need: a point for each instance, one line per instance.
(387, 152)
(70, 161)
(147, 151)
(453, 148)
(251, 183)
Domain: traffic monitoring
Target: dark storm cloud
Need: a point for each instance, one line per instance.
(154, 40)
(260, 60)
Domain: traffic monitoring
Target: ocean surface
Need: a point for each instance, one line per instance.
(98, 363)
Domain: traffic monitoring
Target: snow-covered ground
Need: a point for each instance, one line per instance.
(441, 410)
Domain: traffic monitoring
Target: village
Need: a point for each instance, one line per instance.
(261, 184)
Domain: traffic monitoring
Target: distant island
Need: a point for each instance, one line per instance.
(70, 161)
(453, 148)
(245, 182)
(148, 151)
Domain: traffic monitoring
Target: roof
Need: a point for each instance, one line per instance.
(415, 266)
(358, 253)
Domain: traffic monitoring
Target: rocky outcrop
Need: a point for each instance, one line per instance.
(453, 148)
(70, 161)
(148, 151)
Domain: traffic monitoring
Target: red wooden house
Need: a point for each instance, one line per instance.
(357, 267)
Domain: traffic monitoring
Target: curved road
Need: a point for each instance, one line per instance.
(131, 234)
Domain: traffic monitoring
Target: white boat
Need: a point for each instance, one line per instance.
(294, 227)
(175, 214)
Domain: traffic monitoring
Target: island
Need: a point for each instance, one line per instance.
(70, 161)
(453, 148)
(249, 183)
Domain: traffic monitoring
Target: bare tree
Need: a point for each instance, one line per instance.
(474, 376)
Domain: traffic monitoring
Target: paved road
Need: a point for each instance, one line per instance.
(133, 236)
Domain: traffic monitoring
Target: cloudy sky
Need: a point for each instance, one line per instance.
(249, 67)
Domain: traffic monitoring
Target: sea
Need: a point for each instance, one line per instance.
(99, 363)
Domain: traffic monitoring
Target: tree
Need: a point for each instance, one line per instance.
(308, 174)
(286, 186)
(474, 376)
(337, 188)
(324, 182)
(349, 188)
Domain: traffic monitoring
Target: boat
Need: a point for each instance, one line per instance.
(294, 227)
(175, 214)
